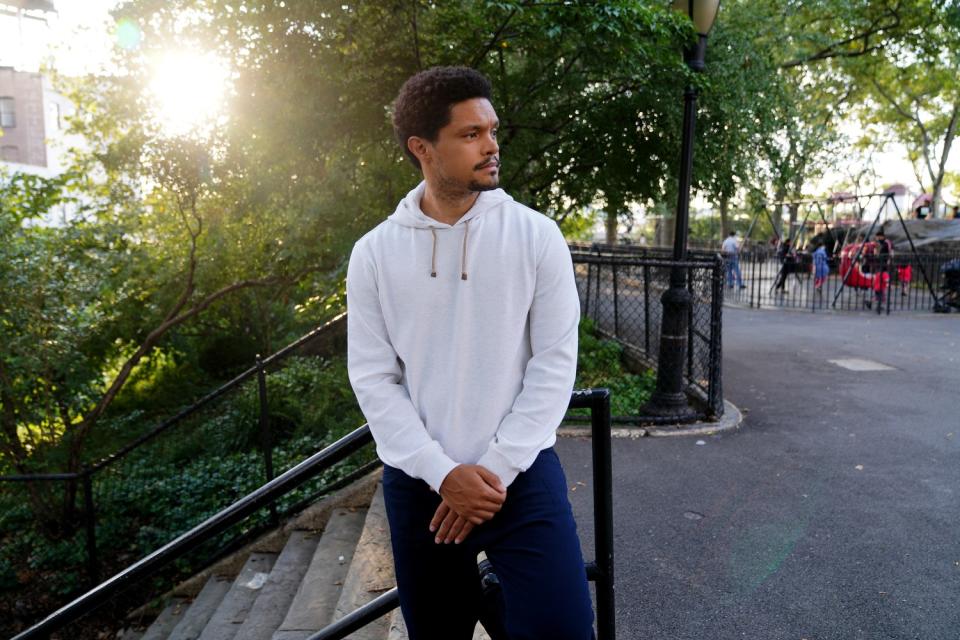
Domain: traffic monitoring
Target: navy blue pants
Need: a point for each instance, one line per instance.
(532, 544)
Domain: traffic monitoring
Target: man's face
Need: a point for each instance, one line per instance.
(465, 156)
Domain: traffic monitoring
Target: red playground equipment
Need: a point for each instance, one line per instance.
(852, 274)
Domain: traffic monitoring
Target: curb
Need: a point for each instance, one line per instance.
(732, 417)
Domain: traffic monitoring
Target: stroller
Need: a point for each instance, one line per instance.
(950, 289)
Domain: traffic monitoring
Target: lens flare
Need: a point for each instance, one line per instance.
(188, 91)
(127, 34)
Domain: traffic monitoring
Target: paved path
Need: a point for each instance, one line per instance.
(834, 513)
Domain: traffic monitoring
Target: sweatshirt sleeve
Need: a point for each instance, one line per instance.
(373, 367)
(550, 373)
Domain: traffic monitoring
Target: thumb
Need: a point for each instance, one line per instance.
(491, 479)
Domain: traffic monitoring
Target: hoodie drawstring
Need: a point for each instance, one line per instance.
(463, 259)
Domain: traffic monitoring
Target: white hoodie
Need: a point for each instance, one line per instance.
(462, 339)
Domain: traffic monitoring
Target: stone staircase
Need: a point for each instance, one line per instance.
(328, 561)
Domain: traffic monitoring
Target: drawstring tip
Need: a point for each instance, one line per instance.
(433, 274)
(463, 276)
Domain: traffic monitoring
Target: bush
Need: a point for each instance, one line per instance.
(600, 364)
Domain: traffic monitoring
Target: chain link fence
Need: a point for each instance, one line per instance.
(620, 290)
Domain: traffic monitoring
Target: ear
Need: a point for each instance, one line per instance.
(421, 148)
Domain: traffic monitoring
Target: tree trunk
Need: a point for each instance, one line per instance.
(794, 209)
(611, 225)
(724, 205)
(777, 213)
(941, 169)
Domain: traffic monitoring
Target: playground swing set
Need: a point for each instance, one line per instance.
(853, 253)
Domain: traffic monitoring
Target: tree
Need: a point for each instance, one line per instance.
(915, 91)
(743, 96)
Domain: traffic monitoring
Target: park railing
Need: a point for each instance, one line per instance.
(141, 492)
(620, 289)
(859, 283)
(600, 571)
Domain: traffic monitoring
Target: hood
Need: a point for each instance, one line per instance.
(409, 214)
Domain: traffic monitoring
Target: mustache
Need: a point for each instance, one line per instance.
(492, 161)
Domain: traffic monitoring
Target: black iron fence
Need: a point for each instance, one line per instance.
(620, 289)
(141, 492)
(906, 282)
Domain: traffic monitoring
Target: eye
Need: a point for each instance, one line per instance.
(472, 134)
(494, 133)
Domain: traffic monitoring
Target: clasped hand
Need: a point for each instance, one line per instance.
(471, 494)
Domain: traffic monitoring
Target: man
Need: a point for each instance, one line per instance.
(880, 260)
(731, 257)
(462, 350)
(787, 261)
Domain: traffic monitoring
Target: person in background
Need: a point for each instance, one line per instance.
(880, 259)
(731, 258)
(956, 212)
(787, 260)
(821, 268)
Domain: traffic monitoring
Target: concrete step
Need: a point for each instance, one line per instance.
(202, 609)
(371, 571)
(274, 600)
(167, 620)
(129, 634)
(316, 598)
(230, 615)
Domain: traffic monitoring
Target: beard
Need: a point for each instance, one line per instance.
(478, 186)
(475, 185)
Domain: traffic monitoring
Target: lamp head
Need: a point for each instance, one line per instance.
(701, 12)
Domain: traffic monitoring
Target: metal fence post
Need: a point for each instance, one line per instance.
(266, 441)
(596, 289)
(90, 522)
(715, 380)
(616, 304)
(586, 303)
(603, 512)
(690, 345)
(646, 308)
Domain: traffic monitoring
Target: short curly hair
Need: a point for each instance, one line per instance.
(423, 105)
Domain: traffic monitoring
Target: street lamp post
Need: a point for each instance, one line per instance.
(669, 399)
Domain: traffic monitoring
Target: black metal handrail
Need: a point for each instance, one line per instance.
(599, 571)
(220, 391)
(184, 413)
(87, 473)
(205, 531)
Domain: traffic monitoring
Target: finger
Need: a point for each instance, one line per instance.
(491, 479)
(487, 495)
(445, 526)
(467, 528)
(455, 530)
(439, 515)
(482, 514)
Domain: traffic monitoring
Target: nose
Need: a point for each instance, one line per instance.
(492, 147)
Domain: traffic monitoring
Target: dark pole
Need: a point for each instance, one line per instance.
(669, 399)
(266, 438)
